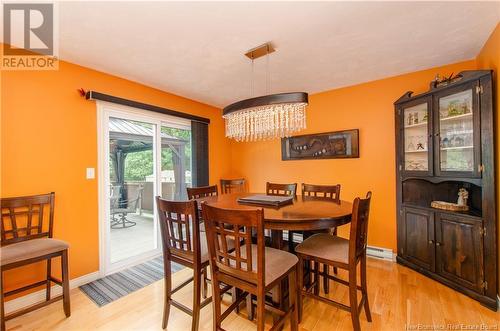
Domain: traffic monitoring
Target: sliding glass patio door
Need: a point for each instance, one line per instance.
(142, 155)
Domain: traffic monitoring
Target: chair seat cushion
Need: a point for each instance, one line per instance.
(278, 262)
(325, 246)
(29, 249)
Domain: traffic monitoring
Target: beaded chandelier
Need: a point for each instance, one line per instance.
(265, 117)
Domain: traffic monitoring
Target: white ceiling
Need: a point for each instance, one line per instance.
(196, 49)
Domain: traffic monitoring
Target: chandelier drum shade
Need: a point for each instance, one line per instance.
(265, 117)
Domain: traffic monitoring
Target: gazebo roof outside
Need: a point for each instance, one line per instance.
(126, 136)
(131, 137)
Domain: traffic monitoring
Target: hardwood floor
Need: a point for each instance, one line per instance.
(398, 297)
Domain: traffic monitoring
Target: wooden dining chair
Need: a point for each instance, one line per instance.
(183, 243)
(232, 185)
(321, 192)
(26, 239)
(201, 192)
(252, 268)
(326, 193)
(341, 253)
(281, 189)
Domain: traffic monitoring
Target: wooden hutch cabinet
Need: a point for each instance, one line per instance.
(445, 142)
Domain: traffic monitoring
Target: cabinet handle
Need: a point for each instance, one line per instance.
(431, 241)
(438, 243)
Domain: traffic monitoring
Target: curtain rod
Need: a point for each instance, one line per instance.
(93, 95)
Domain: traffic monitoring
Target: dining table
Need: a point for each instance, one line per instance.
(304, 213)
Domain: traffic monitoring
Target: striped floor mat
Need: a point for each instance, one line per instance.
(115, 286)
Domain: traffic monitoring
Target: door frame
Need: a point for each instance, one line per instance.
(104, 111)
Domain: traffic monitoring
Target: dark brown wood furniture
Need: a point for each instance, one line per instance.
(203, 192)
(345, 254)
(183, 243)
(253, 269)
(26, 239)
(281, 189)
(326, 192)
(303, 214)
(200, 192)
(445, 142)
(232, 185)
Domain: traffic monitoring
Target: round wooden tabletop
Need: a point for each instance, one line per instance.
(305, 213)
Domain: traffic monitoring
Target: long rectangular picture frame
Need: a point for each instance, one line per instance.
(319, 146)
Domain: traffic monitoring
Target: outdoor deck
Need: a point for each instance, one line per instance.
(129, 242)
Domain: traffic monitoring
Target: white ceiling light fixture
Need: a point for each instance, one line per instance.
(266, 117)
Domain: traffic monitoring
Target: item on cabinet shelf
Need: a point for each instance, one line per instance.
(415, 165)
(411, 146)
(465, 107)
(425, 118)
(456, 109)
(448, 206)
(410, 119)
(445, 143)
(463, 195)
(415, 118)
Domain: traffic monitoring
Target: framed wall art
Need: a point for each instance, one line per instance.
(329, 145)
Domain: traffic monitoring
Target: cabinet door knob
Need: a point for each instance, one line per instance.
(438, 243)
(431, 241)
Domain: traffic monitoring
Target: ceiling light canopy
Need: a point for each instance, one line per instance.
(265, 117)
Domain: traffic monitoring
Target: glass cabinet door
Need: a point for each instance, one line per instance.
(456, 136)
(416, 143)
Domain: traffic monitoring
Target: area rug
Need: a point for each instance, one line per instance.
(110, 288)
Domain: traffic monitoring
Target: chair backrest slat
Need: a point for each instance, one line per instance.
(201, 192)
(223, 225)
(22, 218)
(232, 185)
(180, 229)
(359, 227)
(281, 189)
(323, 192)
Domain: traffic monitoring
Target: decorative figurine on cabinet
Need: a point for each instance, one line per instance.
(463, 195)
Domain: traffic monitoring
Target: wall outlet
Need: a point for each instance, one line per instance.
(90, 173)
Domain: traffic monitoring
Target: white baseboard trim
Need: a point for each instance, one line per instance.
(381, 253)
(38, 296)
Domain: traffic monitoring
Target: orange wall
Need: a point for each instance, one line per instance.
(49, 137)
(367, 107)
(489, 58)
